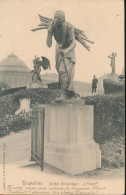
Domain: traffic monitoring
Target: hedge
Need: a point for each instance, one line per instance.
(10, 91)
(109, 116)
(111, 87)
(14, 123)
(10, 103)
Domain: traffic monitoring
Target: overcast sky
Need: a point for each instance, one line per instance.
(102, 21)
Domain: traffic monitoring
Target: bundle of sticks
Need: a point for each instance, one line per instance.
(79, 34)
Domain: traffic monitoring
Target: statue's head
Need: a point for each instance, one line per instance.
(59, 17)
(36, 60)
(114, 54)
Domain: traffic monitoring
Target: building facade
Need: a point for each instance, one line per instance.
(14, 72)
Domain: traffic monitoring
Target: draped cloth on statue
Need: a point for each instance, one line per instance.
(65, 65)
(113, 64)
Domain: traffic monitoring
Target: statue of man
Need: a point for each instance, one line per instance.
(112, 57)
(63, 33)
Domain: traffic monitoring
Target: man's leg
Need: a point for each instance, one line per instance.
(64, 84)
(66, 74)
(92, 89)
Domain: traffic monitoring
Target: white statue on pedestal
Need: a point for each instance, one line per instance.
(112, 57)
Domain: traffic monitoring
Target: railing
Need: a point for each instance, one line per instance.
(37, 135)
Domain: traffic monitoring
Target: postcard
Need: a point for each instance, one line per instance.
(62, 113)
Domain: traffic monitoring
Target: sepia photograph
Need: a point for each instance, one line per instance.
(62, 97)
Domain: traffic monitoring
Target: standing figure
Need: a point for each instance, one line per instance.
(37, 69)
(112, 57)
(63, 33)
(94, 84)
(45, 64)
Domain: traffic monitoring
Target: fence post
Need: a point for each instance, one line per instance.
(37, 135)
(42, 120)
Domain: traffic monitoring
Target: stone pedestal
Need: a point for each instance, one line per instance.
(69, 143)
(113, 77)
(100, 87)
(37, 85)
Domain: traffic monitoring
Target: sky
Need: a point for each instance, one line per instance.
(102, 21)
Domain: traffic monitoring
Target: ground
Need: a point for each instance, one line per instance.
(15, 155)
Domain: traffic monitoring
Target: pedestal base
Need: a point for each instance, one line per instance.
(74, 158)
(69, 144)
(113, 77)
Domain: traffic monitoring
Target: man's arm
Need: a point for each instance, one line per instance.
(110, 56)
(72, 46)
(49, 39)
(49, 35)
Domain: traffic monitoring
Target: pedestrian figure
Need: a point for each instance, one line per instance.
(94, 84)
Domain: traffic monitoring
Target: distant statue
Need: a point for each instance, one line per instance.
(37, 68)
(112, 57)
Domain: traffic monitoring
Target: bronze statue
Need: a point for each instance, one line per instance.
(112, 57)
(37, 68)
(63, 33)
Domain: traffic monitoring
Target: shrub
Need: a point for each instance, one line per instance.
(10, 91)
(109, 116)
(10, 103)
(111, 87)
(39, 95)
(14, 123)
(113, 153)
